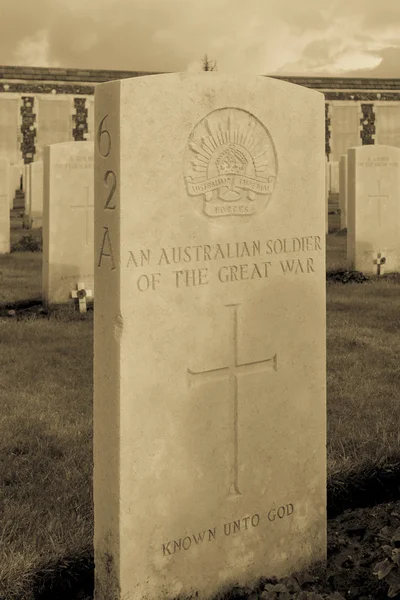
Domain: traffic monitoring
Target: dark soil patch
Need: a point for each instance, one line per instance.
(16, 308)
(346, 276)
(354, 548)
(367, 488)
(392, 277)
(26, 309)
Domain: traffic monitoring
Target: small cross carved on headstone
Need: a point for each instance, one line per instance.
(379, 262)
(82, 294)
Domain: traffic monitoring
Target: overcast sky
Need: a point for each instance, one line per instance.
(292, 37)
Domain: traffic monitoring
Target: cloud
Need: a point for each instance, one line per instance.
(388, 65)
(252, 36)
(381, 15)
(306, 16)
(21, 20)
(35, 51)
(320, 48)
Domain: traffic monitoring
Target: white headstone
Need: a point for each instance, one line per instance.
(4, 206)
(373, 208)
(343, 191)
(36, 194)
(67, 219)
(327, 188)
(15, 181)
(209, 410)
(26, 180)
(334, 177)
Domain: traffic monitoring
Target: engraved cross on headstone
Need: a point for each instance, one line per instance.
(379, 261)
(230, 373)
(86, 206)
(379, 197)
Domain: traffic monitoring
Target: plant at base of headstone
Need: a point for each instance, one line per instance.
(389, 568)
(27, 244)
(346, 276)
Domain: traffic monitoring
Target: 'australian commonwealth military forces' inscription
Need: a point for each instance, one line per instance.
(230, 164)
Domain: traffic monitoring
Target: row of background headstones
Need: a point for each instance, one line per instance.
(12, 176)
(59, 198)
(68, 231)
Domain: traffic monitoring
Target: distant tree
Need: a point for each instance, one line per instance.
(208, 65)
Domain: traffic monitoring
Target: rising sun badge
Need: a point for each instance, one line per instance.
(230, 164)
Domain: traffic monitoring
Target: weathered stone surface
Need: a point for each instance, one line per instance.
(343, 191)
(14, 181)
(334, 176)
(26, 182)
(36, 195)
(209, 410)
(327, 188)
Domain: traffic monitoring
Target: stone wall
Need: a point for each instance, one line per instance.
(40, 106)
(358, 111)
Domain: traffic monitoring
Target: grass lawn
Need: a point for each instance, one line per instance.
(45, 456)
(363, 372)
(20, 277)
(46, 418)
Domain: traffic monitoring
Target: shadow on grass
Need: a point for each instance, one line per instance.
(364, 488)
(34, 308)
(73, 578)
(21, 304)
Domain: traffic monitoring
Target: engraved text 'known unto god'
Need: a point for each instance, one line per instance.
(228, 529)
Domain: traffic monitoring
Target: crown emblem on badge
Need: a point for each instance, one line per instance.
(230, 163)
